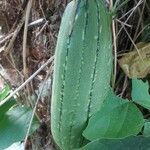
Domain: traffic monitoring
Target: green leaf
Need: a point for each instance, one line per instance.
(6, 106)
(5, 91)
(140, 93)
(129, 143)
(146, 131)
(14, 124)
(117, 118)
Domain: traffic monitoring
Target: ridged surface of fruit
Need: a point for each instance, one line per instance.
(82, 70)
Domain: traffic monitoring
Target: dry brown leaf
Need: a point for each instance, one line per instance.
(133, 65)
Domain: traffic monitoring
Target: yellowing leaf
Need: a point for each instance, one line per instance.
(134, 64)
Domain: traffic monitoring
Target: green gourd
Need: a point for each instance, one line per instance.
(82, 70)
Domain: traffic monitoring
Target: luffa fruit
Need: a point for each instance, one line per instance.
(82, 70)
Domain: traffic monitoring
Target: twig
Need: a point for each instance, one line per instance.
(5, 80)
(4, 39)
(124, 87)
(34, 110)
(27, 81)
(134, 44)
(141, 31)
(12, 64)
(15, 33)
(30, 25)
(139, 22)
(42, 9)
(140, 2)
(46, 23)
(36, 23)
(131, 10)
(115, 48)
(24, 52)
(128, 25)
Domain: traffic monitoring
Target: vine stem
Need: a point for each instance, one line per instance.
(114, 48)
(36, 104)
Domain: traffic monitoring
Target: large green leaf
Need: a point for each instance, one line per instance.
(6, 106)
(4, 92)
(117, 118)
(129, 143)
(14, 124)
(146, 131)
(140, 93)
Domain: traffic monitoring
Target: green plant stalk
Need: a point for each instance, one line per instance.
(82, 71)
